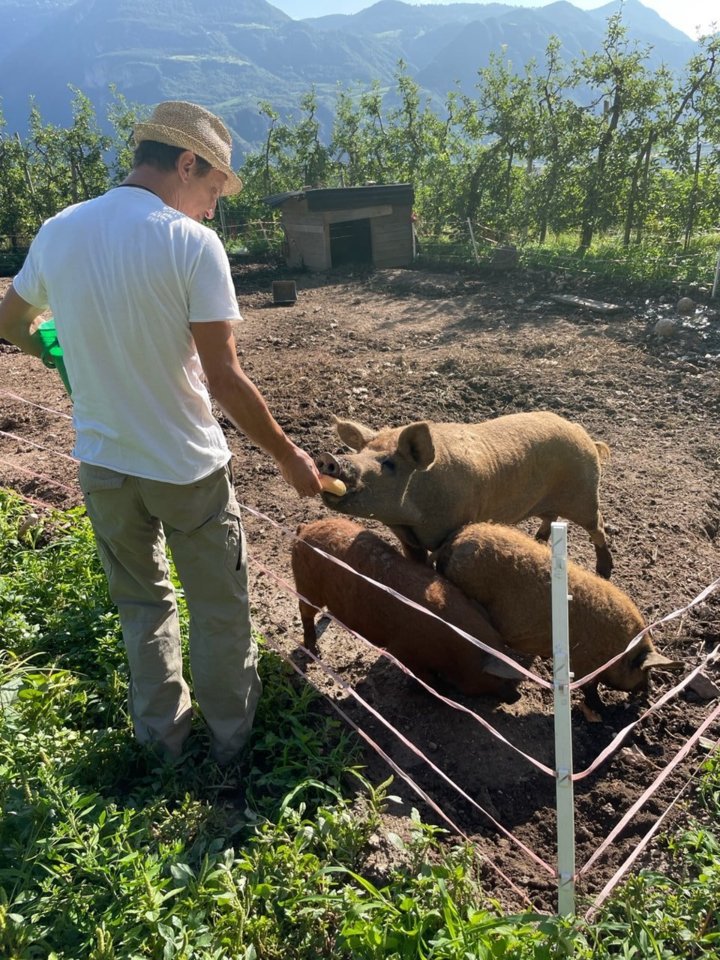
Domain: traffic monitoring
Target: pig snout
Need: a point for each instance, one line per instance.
(339, 469)
(328, 465)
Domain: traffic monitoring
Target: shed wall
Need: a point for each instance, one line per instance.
(308, 237)
(392, 238)
(308, 233)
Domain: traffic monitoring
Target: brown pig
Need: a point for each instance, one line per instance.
(427, 646)
(509, 574)
(426, 479)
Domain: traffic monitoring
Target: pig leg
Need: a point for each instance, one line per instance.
(411, 546)
(591, 705)
(307, 615)
(543, 532)
(603, 557)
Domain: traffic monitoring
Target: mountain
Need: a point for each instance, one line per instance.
(232, 54)
(641, 20)
(21, 20)
(521, 33)
(226, 54)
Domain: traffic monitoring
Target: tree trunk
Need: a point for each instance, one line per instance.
(692, 206)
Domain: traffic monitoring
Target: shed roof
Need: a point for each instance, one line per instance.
(345, 198)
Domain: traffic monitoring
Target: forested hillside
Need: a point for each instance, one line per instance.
(602, 147)
(235, 54)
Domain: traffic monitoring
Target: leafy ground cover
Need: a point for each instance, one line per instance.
(108, 853)
(104, 852)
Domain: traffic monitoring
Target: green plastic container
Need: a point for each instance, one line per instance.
(52, 353)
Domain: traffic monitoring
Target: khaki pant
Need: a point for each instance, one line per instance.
(133, 520)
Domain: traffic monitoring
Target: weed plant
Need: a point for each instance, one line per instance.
(109, 853)
(649, 268)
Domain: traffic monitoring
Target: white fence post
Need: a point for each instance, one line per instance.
(472, 238)
(564, 791)
(223, 225)
(717, 277)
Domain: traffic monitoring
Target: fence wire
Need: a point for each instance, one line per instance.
(680, 755)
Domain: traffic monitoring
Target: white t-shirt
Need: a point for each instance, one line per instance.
(124, 276)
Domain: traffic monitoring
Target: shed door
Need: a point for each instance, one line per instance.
(350, 242)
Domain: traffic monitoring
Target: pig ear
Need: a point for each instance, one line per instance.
(651, 658)
(415, 443)
(353, 434)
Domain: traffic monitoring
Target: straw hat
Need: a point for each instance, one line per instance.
(187, 125)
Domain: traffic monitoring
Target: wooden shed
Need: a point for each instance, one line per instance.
(329, 227)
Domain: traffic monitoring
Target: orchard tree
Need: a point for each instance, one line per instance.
(350, 141)
(311, 154)
(508, 107)
(421, 144)
(292, 156)
(553, 191)
(67, 165)
(122, 116)
(617, 82)
(692, 149)
(18, 216)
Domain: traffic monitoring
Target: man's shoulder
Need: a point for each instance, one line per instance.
(205, 237)
(81, 207)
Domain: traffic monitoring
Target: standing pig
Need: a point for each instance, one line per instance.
(427, 646)
(509, 574)
(427, 479)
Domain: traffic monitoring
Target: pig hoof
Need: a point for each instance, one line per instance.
(511, 695)
(592, 716)
(604, 563)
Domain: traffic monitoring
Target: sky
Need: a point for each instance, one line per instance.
(686, 15)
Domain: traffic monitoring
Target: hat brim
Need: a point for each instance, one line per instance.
(179, 138)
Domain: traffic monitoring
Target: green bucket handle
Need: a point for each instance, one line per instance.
(52, 352)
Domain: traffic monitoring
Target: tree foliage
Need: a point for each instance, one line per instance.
(603, 145)
(55, 166)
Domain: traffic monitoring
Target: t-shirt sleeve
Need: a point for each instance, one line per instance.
(29, 283)
(211, 292)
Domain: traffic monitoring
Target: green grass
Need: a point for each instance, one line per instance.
(107, 853)
(648, 268)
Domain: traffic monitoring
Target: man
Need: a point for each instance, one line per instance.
(143, 300)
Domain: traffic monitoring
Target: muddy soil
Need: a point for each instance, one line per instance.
(390, 347)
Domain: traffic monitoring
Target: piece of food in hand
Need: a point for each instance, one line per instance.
(331, 485)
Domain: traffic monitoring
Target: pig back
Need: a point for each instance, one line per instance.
(509, 573)
(516, 466)
(412, 636)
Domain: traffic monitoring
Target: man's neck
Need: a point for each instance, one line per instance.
(152, 180)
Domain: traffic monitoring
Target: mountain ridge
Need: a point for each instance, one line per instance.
(232, 54)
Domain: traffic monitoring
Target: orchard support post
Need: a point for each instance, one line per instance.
(564, 789)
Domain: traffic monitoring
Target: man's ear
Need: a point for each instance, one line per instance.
(185, 163)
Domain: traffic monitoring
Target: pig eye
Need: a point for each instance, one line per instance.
(387, 465)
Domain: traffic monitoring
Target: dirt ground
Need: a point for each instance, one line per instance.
(390, 347)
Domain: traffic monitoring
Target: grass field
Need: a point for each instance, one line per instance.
(106, 852)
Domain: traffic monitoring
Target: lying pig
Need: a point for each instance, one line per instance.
(427, 646)
(427, 479)
(509, 574)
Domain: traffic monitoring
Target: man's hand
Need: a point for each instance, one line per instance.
(16, 320)
(299, 470)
